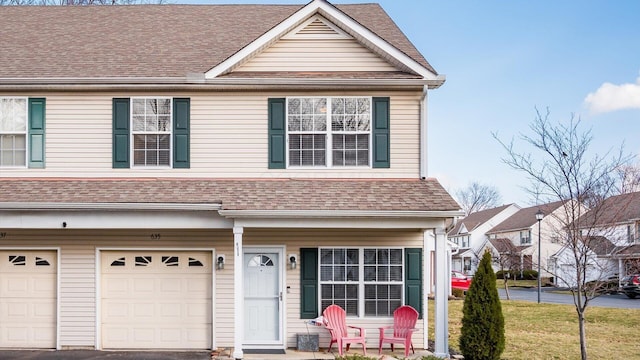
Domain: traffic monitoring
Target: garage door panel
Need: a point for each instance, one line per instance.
(156, 299)
(28, 298)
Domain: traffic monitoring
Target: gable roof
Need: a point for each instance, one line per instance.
(504, 246)
(614, 210)
(600, 245)
(476, 219)
(151, 41)
(234, 194)
(524, 218)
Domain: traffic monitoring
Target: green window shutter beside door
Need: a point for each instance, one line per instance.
(381, 136)
(413, 279)
(308, 283)
(120, 114)
(277, 135)
(36, 132)
(181, 128)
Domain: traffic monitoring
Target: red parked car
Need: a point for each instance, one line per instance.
(460, 281)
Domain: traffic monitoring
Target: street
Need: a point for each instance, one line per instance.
(614, 300)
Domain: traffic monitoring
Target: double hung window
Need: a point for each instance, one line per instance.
(366, 282)
(329, 131)
(13, 132)
(151, 131)
(525, 237)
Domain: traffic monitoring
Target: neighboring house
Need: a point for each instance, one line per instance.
(615, 226)
(521, 230)
(598, 253)
(193, 177)
(469, 234)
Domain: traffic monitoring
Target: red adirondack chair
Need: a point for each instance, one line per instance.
(335, 321)
(404, 324)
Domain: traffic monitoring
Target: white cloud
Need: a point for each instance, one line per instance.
(611, 97)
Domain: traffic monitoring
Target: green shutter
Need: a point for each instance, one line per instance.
(181, 118)
(381, 155)
(413, 279)
(308, 283)
(36, 132)
(277, 135)
(120, 114)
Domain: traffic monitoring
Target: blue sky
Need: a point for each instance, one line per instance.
(504, 58)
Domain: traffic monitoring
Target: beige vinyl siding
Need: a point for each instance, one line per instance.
(228, 137)
(317, 55)
(77, 278)
(312, 238)
(77, 295)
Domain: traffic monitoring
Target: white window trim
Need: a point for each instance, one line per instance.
(328, 133)
(133, 133)
(361, 282)
(25, 133)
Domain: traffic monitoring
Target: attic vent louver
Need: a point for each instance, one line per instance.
(317, 27)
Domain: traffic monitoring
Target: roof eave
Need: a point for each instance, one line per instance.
(49, 206)
(74, 84)
(267, 214)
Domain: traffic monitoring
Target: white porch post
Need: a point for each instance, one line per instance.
(427, 235)
(238, 291)
(441, 296)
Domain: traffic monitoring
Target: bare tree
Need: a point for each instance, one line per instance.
(562, 169)
(476, 197)
(629, 178)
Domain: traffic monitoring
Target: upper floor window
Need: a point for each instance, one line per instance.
(525, 237)
(151, 131)
(13, 132)
(329, 131)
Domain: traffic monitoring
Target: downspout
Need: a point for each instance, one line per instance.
(423, 133)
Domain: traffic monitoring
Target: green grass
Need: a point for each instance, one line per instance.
(549, 331)
(518, 283)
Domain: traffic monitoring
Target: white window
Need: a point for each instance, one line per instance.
(525, 237)
(13, 132)
(465, 241)
(365, 282)
(328, 131)
(151, 131)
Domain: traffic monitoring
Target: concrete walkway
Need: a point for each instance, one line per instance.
(190, 355)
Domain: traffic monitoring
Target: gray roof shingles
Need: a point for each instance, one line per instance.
(477, 218)
(524, 218)
(238, 194)
(149, 40)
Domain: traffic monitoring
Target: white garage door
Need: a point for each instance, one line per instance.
(28, 299)
(156, 300)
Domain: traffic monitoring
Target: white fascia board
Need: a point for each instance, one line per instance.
(333, 14)
(44, 206)
(273, 214)
(338, 219)
(266, 38)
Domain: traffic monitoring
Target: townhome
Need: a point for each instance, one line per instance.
(469, 234)
(611, 239)
(518, 236)
(203, 176)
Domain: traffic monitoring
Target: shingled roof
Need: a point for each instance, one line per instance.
(476, 219)
(238, 194)
(614, 210)
(157, 41)
(524, 218)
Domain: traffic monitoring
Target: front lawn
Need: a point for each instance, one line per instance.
(550, 331)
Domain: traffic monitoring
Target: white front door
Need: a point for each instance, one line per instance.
(262, 297)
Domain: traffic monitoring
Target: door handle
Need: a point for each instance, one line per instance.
(280, 295)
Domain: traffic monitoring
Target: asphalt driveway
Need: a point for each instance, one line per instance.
(103, 355)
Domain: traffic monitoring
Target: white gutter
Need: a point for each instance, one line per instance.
(336, 214)
(43, 206)
(423, 134)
